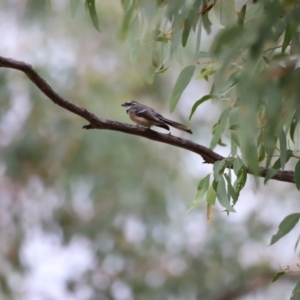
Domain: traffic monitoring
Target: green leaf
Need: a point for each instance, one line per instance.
(163, 39)
(231, 191)
(211, 68)
(233, 145)
(261, 153)
(229, 85)
(237, 164)
(215, 18)
(226, 38)
(198, 39)
(219, 128)
(297, 175)
(241, 180)
(185, 33)
(74, 6)
(271, 173)
(249, 151)
(279, 274)
(296, 292)
(234, 127)
(199, 102)
(90, 4)
(283, 150)
(222, 195)
(285, 227)
(287, 37)
(218, 168)
(182, 82)
(296, 244)
(234, 116)
(277, 164)
(275, 168)
(211, 194)
(292, 128)
(208, 71)
(241, 16)
(289, 154)
(127, 21)
(201, 190)
(161, 70)
(190, 22)
(235, 138)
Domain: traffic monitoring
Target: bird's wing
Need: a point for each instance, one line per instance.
(150, 114)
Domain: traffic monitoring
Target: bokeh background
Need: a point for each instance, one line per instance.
(101, 214)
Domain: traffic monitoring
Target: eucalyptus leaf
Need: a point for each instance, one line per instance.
(201, 190)
(297, 175)
(237, 165)
(241, 16)
(90, 4)
(198, 39)
(199, 102)
(182, 82)
(287, 224)
(283, 149)
(223, 196)
(241, 180)
(220, 128)
(296, 292)
(231, 191)
(128, 17)
(218, 168)
(270, 174)
(278, 275)
(211, 195)
(287, 37)
(190, 21)
(293, 128)
(215, 18)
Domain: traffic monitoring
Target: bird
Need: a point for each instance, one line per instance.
(146, 116)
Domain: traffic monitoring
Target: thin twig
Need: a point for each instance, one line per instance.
(273, 48)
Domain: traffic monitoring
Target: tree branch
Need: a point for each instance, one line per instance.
(208, 155)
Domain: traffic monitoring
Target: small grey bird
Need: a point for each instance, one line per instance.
(147, 117)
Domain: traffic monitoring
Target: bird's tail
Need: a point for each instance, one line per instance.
(177, 125)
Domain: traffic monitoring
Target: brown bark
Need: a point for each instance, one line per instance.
(208, 155)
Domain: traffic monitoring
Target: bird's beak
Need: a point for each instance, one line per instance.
(123, 104)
